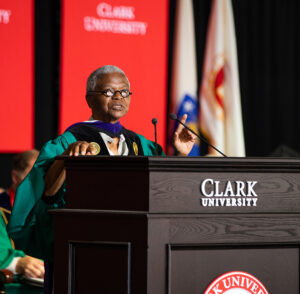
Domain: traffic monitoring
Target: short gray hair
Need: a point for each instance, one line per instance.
(103, 70)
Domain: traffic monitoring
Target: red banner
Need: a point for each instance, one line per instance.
(130, 34)
(17, 75)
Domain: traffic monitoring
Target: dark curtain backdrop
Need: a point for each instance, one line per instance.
(268, 43)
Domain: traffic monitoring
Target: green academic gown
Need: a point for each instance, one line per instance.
(30, 226)
(7, 253)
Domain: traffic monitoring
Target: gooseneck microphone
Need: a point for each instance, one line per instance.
(154, 121)
(174, 117)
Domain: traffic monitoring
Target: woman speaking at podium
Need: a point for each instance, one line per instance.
(108, 96)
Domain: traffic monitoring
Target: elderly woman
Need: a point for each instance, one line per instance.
(108, 96)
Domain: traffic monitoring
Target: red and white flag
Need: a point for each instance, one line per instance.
(220, 106)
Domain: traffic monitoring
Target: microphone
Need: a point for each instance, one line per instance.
(174, 117)
(154, 121)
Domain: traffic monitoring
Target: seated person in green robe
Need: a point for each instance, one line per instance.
(108, 96)
(20, 265)
(15, 261)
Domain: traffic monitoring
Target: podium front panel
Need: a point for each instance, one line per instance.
(111, 259)
(276, 267)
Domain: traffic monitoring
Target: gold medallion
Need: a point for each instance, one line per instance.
(96, 147)
(135, 148)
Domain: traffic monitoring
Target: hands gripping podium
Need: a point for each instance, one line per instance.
(174, 225)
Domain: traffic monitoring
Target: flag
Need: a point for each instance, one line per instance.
(220, 106)
(184, 78)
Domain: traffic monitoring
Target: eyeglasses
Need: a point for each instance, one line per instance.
(111, 92)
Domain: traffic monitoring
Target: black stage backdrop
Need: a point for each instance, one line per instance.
(268, 41)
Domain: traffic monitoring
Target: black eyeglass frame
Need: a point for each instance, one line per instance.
(113, 91)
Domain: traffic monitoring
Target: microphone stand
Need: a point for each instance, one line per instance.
(154, 121)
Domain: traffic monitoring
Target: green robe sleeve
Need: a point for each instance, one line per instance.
(7, 253)
(149, 147)
(29, 225)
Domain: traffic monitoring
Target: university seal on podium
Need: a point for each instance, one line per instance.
(96, 147)
(236, 283)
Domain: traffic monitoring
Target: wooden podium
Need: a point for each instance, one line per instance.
(173, 225)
